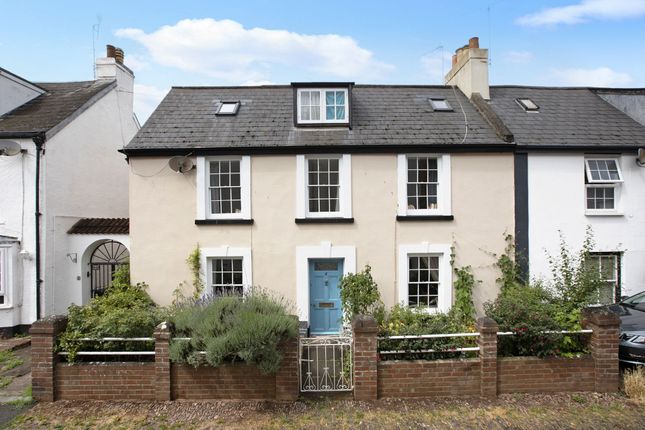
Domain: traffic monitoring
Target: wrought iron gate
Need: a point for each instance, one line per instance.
(106, 259)
(326, 364)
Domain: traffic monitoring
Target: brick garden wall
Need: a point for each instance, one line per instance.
(105, 381)
(485, 376)
(428, 378)
(544, 375)
(231, 381)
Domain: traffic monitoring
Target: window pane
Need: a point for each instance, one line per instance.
(340, 98)
(329, 98)
(330, 113)
(305, 113)
(315, 98)
(305, 98)
(340, 112)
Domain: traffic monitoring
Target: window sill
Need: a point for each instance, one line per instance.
(335, 220)
(425, 217)
(603, 213)
(223, 221)
(6, 307)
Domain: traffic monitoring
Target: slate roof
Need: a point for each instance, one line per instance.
(47, 110)
(101, 226)
(382, 116)
(567, 118)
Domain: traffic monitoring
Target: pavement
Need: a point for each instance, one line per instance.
(15, 397)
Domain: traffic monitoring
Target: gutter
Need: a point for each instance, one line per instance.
(39, 141)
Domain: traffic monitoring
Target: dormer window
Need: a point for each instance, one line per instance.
(440, 104)
(323, 106)
(528, 104)
(228, 108)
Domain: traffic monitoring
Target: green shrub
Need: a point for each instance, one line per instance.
(359, 294)
(230, 328)
(124, 310)
(529, 309)
(402, 320)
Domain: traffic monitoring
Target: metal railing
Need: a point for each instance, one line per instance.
(426, 337)
(111, 353)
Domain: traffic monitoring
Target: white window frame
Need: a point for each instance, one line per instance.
(616, 184)
(203, 195)
(323, 107)
(6, 274)
(444, 300)
(324, 250)
(344, 193)
(617, 257)
(207, 256)
(444, 206)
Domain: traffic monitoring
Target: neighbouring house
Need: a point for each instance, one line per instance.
(576, 167)
(296, 185)
(60, 177)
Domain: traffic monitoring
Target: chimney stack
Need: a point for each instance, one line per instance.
(469, 70)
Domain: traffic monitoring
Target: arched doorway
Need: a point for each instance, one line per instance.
(106, 259)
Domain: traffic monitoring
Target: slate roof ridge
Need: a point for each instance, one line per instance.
(282, 86)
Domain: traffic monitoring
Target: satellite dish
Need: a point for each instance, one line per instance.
(9, 148)
(181, 164)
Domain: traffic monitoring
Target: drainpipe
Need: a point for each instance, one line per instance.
(39, 141)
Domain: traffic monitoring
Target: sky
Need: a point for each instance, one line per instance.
(254, 42)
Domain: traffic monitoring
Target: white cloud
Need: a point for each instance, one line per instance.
(584, 11)
(600, 77)
(136, 62)
(227, 51)
(146, 100)
(518, 57)
(436, 64)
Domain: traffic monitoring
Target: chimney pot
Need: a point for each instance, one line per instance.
(118, 55)
(110, 51)
(454, 59)
(473, 42)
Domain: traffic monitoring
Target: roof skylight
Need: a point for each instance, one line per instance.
(440, 104)
(528, 104)
(228, 108)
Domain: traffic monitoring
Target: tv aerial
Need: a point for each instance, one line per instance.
(181, 164)
(9, 148)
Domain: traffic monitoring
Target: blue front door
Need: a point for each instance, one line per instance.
(325, 313)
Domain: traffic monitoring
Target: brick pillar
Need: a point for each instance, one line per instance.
(365, 353)
(287, 385)
(604, 347)
(487, 342)
(162, 336)
(43, 357)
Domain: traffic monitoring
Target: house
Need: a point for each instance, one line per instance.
(296, 185)
(577, 165)
(59, 166)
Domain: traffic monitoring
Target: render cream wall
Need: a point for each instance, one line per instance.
(163, 233)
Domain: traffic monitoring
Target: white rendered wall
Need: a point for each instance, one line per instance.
(557, 202)
(73, 275)
(17, 221)
(15, 92)
(86, 178)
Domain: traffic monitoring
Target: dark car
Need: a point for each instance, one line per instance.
(632, 329)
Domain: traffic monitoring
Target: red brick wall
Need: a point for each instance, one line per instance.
(230, 381)
(105, 381)
(543, 375)
(421, 378)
